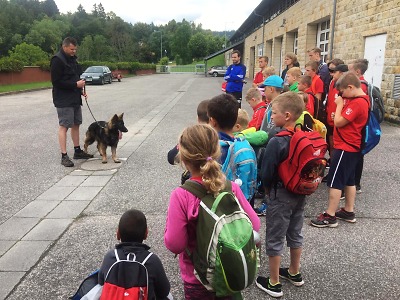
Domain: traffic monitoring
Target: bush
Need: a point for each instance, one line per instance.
(123, 65)
(44, 65)
(8, 64)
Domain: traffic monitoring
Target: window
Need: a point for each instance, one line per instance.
(323, 38)
(295, 42)
(260, 49)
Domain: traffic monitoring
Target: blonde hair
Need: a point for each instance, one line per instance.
(295, 72)
(243, 118)
(253, 93)
(199, 148)
(268, 71)
(291, 102)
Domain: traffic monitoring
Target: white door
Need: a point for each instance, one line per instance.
(375, 53)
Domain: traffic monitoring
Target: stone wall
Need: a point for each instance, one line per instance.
(354, 21)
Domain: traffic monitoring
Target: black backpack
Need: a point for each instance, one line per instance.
(376, 100)
(126, 279)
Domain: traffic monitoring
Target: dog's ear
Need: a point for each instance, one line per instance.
(121, 116)
(114, 118)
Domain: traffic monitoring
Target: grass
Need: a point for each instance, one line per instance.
(24, 86)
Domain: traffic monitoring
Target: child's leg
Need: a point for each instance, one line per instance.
(295, 254)
(274, 264)
(350, 194)
(334, 200)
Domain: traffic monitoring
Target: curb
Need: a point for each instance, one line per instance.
(23, 91)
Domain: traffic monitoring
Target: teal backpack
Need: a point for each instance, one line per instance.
(225, 258)
(240, 165)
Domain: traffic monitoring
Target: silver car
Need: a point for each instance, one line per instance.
(216, 71)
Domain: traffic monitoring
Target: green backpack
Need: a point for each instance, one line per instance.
(225, 258)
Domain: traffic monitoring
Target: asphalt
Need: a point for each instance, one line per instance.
(57, 223)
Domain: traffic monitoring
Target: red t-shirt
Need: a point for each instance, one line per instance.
(258, 78)
(364, 86)
(355, 110)
(317, 85)
(258, 115)
(330, 103)
(310, 104)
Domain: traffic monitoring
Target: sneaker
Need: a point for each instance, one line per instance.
(342, 196)
(296, 280)
(272, 290)
(82, 155)
(66, 161)
(324, 220)
(358, 189)
(261, 210)
(345, 215)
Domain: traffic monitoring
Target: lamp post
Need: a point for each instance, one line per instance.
(160, 42)
(263, 25)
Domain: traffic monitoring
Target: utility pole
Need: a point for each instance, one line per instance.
(161, 52)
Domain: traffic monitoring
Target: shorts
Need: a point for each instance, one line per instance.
(284, 218)
(69, 116)
(237, 95)
(342, 169)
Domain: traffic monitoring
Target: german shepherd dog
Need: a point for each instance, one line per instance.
(106, 134)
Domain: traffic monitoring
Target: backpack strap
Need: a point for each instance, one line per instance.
(147, 257)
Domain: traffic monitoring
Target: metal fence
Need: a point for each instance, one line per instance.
(195, 69)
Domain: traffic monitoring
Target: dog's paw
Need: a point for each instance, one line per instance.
(117, 161)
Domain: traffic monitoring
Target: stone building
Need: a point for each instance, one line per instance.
(345, 29)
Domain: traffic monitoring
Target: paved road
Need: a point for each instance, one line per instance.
(57, 223)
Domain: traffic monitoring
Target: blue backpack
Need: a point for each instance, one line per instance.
(371, 132)
(240, 165)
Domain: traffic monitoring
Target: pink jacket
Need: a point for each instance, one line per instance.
(180, 229)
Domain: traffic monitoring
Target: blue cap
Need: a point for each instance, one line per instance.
(275, 81)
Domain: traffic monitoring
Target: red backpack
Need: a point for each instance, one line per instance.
(303, 169)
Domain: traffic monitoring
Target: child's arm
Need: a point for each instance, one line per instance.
(270, 162)
(162, 286)
(175, 235)
(339, 120)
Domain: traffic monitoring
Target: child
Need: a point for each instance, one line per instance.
(254, 99)
(202, 118)
(285, 210)
(200, 153)
(268, 71)
(350, 117)
(223, 113)
(132, 230)
(305, 86)
(317, 85)
(253, 136)
(292, 78)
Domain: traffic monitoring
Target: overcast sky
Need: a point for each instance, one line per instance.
(217, 15)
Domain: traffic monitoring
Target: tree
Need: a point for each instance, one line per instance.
(180, 40)
(28, 54)
(86, 48)
(50, 8)
(47, 34)
(198, 46)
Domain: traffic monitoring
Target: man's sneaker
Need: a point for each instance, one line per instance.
(358, 189)
(296, 280)
(66, 161)
(82, 155)
(272, 290)
(324, 220)
(261, 210)
(342, 196)
(345, 215)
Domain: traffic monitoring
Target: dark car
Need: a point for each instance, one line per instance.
(97, 74)
(216, 71)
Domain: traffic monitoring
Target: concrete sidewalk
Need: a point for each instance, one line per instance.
(51, 244)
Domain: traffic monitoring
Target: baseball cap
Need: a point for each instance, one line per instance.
(341, 68)
(274, 80)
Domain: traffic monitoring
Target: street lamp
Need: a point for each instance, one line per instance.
(263, 25)
(160, 42)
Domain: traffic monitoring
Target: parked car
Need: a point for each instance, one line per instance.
(97, 74)
(216, 71)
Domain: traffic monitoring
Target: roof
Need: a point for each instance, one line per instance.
(223, 50)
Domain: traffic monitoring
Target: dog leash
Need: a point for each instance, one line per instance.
(84, 92)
